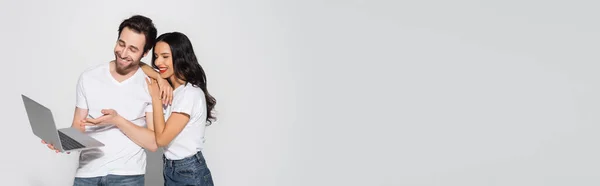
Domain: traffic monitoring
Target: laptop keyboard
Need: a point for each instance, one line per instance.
(68, 143)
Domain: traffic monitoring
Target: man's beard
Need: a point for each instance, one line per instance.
(124, 70)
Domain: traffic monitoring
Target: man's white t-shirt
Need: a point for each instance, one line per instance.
(97, 90)
(190, 100)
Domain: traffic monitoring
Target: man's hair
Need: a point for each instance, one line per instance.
(141, 24)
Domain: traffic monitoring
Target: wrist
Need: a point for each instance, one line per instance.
(156, 100)
(119, 121)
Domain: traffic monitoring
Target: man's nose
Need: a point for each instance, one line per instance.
(123, 52)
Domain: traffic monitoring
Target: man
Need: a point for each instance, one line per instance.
(116, 95)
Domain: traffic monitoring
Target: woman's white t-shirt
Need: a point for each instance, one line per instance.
(190, 100)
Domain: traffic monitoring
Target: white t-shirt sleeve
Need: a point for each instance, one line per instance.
(80, 100)
(184, 103)
(148, 105)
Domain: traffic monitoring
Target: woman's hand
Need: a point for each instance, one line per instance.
(154, 89)
(166, 91)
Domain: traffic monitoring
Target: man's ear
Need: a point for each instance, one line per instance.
(145, 53)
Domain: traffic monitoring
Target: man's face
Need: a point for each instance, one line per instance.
(129, 50)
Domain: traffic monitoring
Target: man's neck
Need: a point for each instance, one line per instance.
(118, 76)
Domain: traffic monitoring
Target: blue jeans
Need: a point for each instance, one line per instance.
(188, 171)
(111, 180)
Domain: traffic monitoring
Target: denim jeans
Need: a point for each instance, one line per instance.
(111, 180)
(188, 171)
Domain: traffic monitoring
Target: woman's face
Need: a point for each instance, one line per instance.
(164, 59)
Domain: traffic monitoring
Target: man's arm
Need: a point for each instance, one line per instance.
(144, 137)
(80, 115)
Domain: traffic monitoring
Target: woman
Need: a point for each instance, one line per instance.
(182, 135)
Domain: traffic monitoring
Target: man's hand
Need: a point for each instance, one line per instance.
(110, 117)
(81, 127)
(51, 147)
(166, 91)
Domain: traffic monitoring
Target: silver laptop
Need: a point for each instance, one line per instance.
(43, 126)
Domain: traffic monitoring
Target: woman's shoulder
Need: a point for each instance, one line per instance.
(188, 96)
(190, 90)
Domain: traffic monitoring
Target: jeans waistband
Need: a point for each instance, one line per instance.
(198, 157)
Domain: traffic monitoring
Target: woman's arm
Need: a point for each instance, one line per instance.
(163, 84)
(149, 71)
(176, 122)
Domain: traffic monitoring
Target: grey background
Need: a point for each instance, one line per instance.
(330, 92)
(154, 168)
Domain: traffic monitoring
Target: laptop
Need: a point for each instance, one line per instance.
(43, 126)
